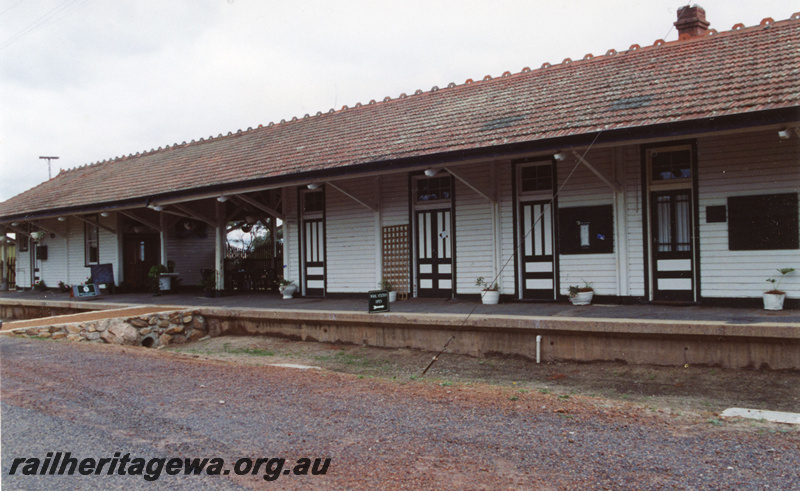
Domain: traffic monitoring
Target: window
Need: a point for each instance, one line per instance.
(91, 237)
(586, 230)
(763, 222)
(436, 188)
(673, 164)
(536, 178)
(313, 202)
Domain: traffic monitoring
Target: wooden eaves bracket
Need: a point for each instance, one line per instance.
(354, 198)
(96, 224)
(486, 196)
(141, 220)
(241, 198)
(610, 182)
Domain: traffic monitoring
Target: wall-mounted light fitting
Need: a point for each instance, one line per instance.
(560, 156)
(222, 199)
(62, 219)
(105, 214)
(314, 185)
(784, 134)
(431, 172)
(13, 224)
(157, 207)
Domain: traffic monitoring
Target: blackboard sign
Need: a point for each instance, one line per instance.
(102, 274)
(89, 291)
(378, 301)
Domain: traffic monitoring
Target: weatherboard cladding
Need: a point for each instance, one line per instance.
(734, 72)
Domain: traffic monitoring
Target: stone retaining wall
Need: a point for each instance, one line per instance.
(22, 312)
(152, 330)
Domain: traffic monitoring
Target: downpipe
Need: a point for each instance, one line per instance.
(538, 348)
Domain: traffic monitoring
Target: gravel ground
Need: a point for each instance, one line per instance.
(380, 433)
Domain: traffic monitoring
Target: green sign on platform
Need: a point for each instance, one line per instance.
(89, 291)
(378, 301)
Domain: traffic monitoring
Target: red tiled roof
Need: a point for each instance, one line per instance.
(736, 72)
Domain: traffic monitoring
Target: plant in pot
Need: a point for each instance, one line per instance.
(154, 280)
(490, 293)
(287, 288)
(63, 287)
(386, 285)
(208, 281)
(773, 299)
(581, 295)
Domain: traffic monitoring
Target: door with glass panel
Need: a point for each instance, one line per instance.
(434, 254)
(672, 236)
(537, 258)
(538, 261)
(312, 242)
(673, 275)
(433, 236)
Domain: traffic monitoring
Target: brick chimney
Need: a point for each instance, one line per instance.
(691, 21)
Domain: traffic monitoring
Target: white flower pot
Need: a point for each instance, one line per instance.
(773, 301)
(582, 298)
(490, 297)
(288, 291)
(392, 297)
(164, 283)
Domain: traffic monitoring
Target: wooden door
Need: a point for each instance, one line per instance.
(671, 234)
(434, 253)
(538, 265)
(140, 253)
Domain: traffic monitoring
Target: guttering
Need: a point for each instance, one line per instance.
(132, 203)
(671, 130)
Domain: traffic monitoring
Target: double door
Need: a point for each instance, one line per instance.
(434, 253)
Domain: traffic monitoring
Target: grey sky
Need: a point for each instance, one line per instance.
(88, 80)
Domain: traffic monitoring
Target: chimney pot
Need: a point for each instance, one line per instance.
(692, 21)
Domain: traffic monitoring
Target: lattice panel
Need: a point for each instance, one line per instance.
(396, 257)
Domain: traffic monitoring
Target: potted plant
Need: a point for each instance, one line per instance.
(386, 285)
(37, 236)
(208, 282)
(40, 285)
(156, 282)
(287, 288)
(63, 287)
(773, 299)
(490, 293)
(581, 295)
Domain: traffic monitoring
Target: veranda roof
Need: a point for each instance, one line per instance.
(743, 72)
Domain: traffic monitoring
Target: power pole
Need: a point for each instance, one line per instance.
(49, 173)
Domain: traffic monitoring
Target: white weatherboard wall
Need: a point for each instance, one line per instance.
(193, 253)
(23, 266)
(474, 230)
(66, 254)
(291, 244)
(744, 165)
(582, 187)
(394, 200)
(632, 165)
(352, 243)
(505, 200)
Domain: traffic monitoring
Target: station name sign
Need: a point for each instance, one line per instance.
(378, 301)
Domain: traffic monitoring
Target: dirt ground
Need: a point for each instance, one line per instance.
(694, 393)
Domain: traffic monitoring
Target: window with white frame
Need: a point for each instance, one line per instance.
(91, 235)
